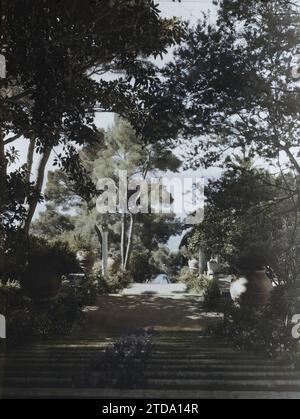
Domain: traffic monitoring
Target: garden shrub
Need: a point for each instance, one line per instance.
(122, 364)
(19, 327)
(42, 254)
(27, 321)
(86, 291)
(59, 318)
(46, 263)
(203, 284)
(31, 256)
(118, 281)
(11, 294)
(263, 329)
(140, 266)
(95, 284)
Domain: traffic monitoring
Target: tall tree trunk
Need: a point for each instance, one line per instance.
(102, 234)
(104, 250)
(123, 240)
(99, 235)
(30, 155)
(126, 249)
(129, 242)
(3, 198)
(33, 201)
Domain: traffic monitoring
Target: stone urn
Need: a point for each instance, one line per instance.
(213, 267)
(86, 260)
(253, 288)
(193, 265)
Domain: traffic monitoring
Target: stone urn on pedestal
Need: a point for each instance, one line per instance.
(213, 267)
(193, 265)
(253, 287)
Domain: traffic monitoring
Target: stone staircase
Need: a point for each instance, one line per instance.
(193, 365)
(183, 365)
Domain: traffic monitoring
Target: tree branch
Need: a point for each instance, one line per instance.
(12, 139)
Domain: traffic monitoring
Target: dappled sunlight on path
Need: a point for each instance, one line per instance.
(155, 289)
(122, 312)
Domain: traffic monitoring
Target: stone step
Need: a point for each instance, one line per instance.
(38, 382)
(212, 361)
(38, 372)
(223, 375)
(200, 356)
(172, 383)
(179, 362)
(195, 348)
(219, 368)
(56, 356)
(198, 350)
(185, 370)
(158, 372)
(165, 394)
(194, 344)
(155, 356)
(287, 384)
(43, 363)
(191, 337)
(35, 372)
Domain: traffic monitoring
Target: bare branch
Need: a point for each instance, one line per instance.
(12, 139)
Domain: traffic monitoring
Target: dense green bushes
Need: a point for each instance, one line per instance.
(42, 254)
(11, 294)
(28, 320)
(29, 259)
(192, 280)
(264, 329)
(118, 281)
(31, 297)
(202, 284)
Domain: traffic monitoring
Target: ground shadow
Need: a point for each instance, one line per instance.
(119, 313)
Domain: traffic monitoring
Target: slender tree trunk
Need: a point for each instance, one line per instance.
(123, 239)
(129, 243)
(102, 234)
(126, 250)
(3, 198)
(99, 235)
(30, 155)
(33, 201)
(104, 250)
